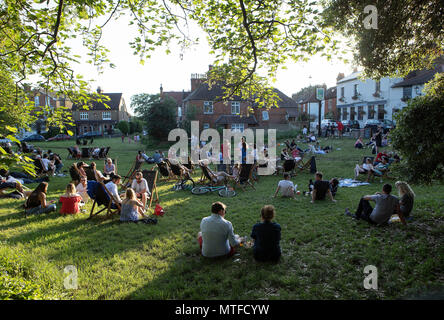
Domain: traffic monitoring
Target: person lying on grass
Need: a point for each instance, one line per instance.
(36, 202)
(287, 187)
(131, 207)
(267, 236)
(216, 236)
(320, 189)
(386, 206)
(70, 200)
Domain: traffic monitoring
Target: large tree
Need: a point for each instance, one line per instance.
(158, 113)
(390, 37)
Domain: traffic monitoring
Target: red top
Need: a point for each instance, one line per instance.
(70, 205)
(340, 125)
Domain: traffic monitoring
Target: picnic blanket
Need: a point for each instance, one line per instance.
(351, 183)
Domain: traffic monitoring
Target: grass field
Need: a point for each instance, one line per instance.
(324, 252)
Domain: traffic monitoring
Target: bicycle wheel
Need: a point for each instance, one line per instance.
(187, 184)
(227, 193)
(199, 190)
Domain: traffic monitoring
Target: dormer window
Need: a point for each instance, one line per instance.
(235, 107)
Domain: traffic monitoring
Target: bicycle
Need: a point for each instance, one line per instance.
(185, 184)
(223, 191)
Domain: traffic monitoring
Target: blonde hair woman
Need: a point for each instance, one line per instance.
(131, 207)
(407, 197)
(70, 200)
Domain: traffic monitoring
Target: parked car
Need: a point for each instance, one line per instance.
(33, 137)
(60, 137)
(90, 134)
(328, 122)
(351, 124)
(373, 124)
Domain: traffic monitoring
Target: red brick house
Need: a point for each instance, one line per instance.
(234, 114)
(330, 102)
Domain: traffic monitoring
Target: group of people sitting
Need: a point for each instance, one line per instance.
(217, 239)
(157, 157)
(379, 167)
(318, 190)
(386, 205)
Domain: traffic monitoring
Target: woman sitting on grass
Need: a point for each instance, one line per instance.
(366, 168)
(36, 203)
(359, 144)
(130, 207)
(267, 236)
(406, 197)
(70, 200)
(109, 168)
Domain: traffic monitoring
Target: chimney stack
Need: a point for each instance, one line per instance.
(197, 80)
(340, 76)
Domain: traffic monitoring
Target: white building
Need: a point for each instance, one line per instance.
(369, 99)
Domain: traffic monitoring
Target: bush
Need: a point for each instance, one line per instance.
(419, 135)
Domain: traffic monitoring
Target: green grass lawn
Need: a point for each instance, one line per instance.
(324, 252)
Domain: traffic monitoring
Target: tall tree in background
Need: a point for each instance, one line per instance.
(401, 36)
(158, 113)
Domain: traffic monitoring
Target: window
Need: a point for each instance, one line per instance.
(239, 127)
(378, 86)
(208, 107)
(339, 113)
(381, 112)
(352, 113)
(355, 90)
(179, 111)
(265, 115)
(342, 92)
(235, 107)
(360, 113)
(344, 114)
(407, 92)
(36, 101)
(83, 115)
(206, 125)
(106, 115)
(371, 112)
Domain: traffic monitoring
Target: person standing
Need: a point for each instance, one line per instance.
(378, 139)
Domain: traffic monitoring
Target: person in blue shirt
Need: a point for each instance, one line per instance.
(157, 157)
(266, 235)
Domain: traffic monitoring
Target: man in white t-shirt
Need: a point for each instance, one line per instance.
(140, 186)
(47, 164)
(113, 189)
(304, 131)
(286, 186)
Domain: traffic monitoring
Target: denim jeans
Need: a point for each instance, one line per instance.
(39, 209)
(58, 167)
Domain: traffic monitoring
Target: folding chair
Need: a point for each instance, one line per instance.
(151, 178)
(131, 173)
(90, 176)
(102, 197)
(75, 177)
(85, 153)
(102, 153)
(71, 154)
(105, 153)
(246, 175)
(289, 166)
(164, 170)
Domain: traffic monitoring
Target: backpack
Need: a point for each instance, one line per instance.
(158, 210)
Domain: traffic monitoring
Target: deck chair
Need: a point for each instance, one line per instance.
(289, 165)
(71, 154)
(85, 153)
(105, 152)
(246, 175)
(151, 178)
(90, 176)
(74, 174)
(101, 154)
(102, 197)
(164, 169)
(131, 173)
